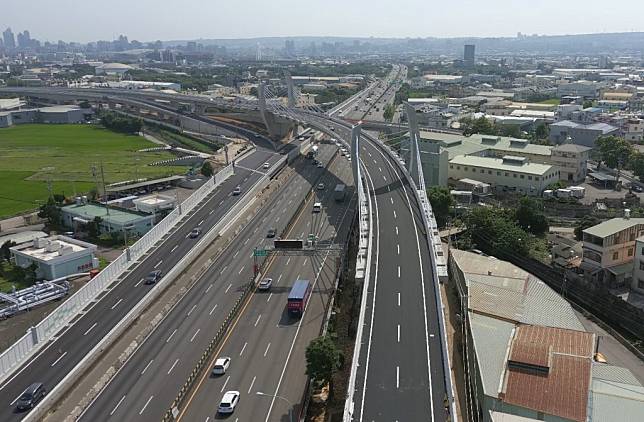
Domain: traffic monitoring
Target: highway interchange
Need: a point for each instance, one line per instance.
(400, 374)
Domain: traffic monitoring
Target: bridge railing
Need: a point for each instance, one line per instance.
(45, 330)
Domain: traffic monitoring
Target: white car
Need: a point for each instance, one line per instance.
(228, 402)
(265, 284)
(221, 365)
(266, 166)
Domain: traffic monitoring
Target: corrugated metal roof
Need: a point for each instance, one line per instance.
(549, 371)
(612, 226)
(507, 417)
(610, 401)
(491, 339)
(544, 306)
(500, 164)
(605, 372)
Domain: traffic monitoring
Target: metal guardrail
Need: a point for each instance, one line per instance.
(44, 331)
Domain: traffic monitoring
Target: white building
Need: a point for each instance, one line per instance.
(155, 204)
(56, 256)
(304, 100)
(118, 69)
(637, 283)
(572, 161)
(507, 174)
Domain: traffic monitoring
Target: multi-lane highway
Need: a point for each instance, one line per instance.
(62, 354)
(146, 385)
(370, 104)
(400, 368)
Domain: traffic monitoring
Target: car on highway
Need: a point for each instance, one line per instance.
(317, 207)
(320, 165)
(265, 284)
(321, 186)
(195, 232)
(266, 166)
(153, 277)
(237, 191)
(332, 128)
(637, 188)
(31, 396)
(343, 151)
(228, 402)
(221, 365)
(271, 233)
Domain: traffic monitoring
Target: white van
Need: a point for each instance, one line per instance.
(317, 207)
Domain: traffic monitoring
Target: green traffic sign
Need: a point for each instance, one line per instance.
(260, 252)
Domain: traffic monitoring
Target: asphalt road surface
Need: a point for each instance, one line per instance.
(147, 384)
(62, 354)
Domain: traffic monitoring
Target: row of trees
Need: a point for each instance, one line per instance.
(484, 126)
(120, 123)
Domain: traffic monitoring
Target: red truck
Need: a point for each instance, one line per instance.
(298, 297)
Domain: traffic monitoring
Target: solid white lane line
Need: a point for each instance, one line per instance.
(58, 360)
(192, 309)
(223, 269)
(145, 405)
(288, 260)
(398, 333)
(173, 365)
(266, 351)
(241, 269)
(398, 249)
(395, 216)
(222, 201)
(397, 377)
(195, 335)
(243, 348)
(251, 384)
(200, 223)
(117, 405)
(174, 248)
(269, 297)
(258, 318)
(212, 310)
(139, 282)
(304, 263)
(384, 178)
(211, 211)
(392, 200)
(399, 271)
(158, 263)
(235, 255)
(170, 338)
(396, 230)
(209, 287)
(223, 387)
(279, 278)
(147, 366)
(228, 288)
(117, 303)
(398, 298)
(90, 328)
(380, 168)
(246, 241)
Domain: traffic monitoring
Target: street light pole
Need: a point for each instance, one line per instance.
(290, 408)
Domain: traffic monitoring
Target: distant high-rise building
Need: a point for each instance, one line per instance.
(258, 53)
(9, 40)
(289, 48)
(603, 62)
(468, 56)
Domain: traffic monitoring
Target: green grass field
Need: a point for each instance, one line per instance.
(32, 154)
(551, 101)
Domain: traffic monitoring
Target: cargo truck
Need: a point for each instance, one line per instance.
(339, 192)
(298, 297)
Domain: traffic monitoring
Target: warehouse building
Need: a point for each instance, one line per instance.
(112, 220)
(63, 114)
(55, 256)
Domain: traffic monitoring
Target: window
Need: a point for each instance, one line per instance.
(514, 175)
(458, 167)
(507, 174)
(615, 256)
(529, 177)
(465, 168)
(482, 171)
(498, 173)
(536, 178)
(630, 251)
(640, 283)
(641, 265)
(631, 237)
(522, 176)
(489, 172)
(451, 166)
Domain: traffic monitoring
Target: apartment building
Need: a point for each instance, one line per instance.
(609, 250)
(572, 161)
(637, 284)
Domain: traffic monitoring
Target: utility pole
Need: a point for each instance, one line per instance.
(104, 190)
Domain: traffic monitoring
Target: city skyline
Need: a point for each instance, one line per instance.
(147, 20)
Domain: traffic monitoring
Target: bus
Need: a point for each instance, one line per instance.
(298, 297)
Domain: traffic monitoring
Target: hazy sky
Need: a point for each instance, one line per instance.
(146, 20)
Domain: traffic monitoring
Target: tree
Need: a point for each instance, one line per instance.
(389, 112)
(541, 131)
(322, 360)
(586, 222)
(51, 212)
(441, 201)
(637, 164)
(498, 228)
(5, 253)
(481, 125)
(94, 227)
(206, 169)
(587, 104)
(530, 218)
(614, 151)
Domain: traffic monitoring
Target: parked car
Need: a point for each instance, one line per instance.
(265, 284)
(221, 365)
(195, 232)
(228, 402)
(31, 396)
(153, 277)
